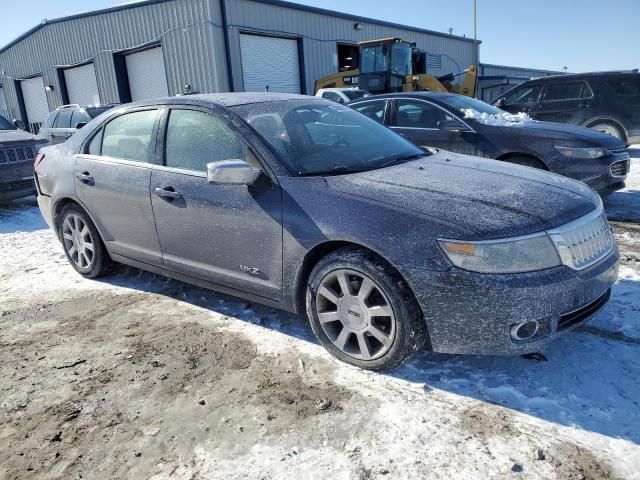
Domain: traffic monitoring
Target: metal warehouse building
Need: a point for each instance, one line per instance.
(157, 47)
(494, 80)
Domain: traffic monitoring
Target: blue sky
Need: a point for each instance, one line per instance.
(579, 34)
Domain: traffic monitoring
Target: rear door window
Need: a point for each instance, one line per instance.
(63, 120)
(567, 91)
(333, 96)
(373, 109)
(79, 116)
(50, 120)
(625, 86)
(129, 136)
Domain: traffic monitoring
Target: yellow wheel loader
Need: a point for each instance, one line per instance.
(392, 65)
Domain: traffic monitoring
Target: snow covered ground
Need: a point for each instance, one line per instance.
(624, 205)
(149, 398)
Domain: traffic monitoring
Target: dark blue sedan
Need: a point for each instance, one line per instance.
(466, 125)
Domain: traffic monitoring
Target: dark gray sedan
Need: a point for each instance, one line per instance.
(466, 125)
(310, 206)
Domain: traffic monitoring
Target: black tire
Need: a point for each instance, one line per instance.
(410, 328)
(526, 161)
(99, 262)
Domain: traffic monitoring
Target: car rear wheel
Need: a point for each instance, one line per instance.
(82, 243)
(363, 312)
(609, 129)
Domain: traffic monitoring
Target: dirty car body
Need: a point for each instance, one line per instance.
(17, 151)
(436, 219)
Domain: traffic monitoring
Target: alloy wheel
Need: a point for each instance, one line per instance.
(78, 241)
(355, 314)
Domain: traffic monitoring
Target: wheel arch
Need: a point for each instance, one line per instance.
(321, 250)
(505, 157)
(594, 121)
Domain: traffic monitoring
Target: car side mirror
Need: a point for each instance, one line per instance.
(79, 125)
(500, 102)
(452, 126)
(232, 172)
(19, 124)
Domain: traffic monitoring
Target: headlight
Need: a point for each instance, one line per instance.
(580, 152)
(509, 255)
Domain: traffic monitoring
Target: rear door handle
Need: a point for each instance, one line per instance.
(167, 192)
(84, 177)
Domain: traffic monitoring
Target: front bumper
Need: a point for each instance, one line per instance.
(472, 313)
(605, 174)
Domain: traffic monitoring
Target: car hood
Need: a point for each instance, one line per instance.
(17, 136)
(562, 131)
(485, 198)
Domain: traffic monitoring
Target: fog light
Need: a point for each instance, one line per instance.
(525, 331)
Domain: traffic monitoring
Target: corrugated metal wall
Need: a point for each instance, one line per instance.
(192, 39)
(192, 44)
(319, 34)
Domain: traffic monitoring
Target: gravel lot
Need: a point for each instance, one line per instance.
(136, 376)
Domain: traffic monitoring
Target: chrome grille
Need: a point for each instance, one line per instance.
(584, 241)
(17, 154)
(620, 169)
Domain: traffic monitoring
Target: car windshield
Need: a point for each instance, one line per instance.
(325, 138)
(6, 124)
(355, 94)
(462, 103)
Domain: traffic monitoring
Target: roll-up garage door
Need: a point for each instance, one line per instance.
(82, 87)
(147, 77)
(270, 62)
(4, 111)
(35, 102)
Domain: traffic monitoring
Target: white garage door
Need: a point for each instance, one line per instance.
(147, 77)
(82, 87)
(35, 102)
(270, 62)
(4, 111)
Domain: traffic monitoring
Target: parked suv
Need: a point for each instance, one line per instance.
(17, 151)
(65, 120)
(608, 102)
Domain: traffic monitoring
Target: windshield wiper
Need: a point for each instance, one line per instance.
(404, 158)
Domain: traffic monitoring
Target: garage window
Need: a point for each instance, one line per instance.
(129, 136)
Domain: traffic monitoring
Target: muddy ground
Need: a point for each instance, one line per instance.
(139, 377)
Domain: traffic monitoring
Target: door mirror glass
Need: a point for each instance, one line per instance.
(452, 126)
(231, 172)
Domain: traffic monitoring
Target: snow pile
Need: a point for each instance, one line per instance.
(503, 119)
(624, 205)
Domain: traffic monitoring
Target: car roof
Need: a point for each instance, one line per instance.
(224, 99)
(422, 94)
(575, 76)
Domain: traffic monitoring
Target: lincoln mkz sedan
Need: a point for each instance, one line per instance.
(307, 205)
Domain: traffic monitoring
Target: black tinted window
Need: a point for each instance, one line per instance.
(129, 136)
(626, 86)
(416, 114)
(525, 94)
(373, 109)
(567, 91)
(63, 120)
(197, 138)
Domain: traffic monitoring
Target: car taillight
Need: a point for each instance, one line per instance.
(38, 159)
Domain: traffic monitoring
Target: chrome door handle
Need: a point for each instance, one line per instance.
(84, 177)
(165, 192)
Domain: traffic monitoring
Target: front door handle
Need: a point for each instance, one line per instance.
(85, 177)
(167, 192)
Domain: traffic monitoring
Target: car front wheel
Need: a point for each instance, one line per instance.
(82, 243)
(363, 312)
